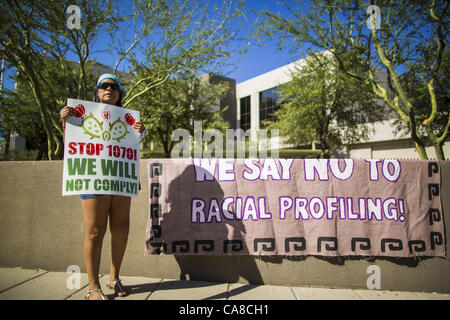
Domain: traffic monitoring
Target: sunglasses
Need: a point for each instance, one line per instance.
(105, 85)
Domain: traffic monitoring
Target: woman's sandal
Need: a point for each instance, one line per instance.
(117, 287)
(96, 290)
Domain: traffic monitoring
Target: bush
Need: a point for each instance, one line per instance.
(21, 155)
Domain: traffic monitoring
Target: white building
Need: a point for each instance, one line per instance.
(256, 98)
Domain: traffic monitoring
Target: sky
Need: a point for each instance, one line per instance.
(257, 60)
(260, 58)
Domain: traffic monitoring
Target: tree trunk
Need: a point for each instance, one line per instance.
(165, 144)
(323, 146)
(438, 147)
(420, 148)
(45, 118)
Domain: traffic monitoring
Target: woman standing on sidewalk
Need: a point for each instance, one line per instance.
(98, 208)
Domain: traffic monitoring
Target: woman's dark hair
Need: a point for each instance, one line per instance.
(95, 97)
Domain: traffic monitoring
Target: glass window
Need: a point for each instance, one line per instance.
(245, 113)
(268, 105)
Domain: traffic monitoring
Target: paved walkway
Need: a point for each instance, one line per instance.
(23, 284)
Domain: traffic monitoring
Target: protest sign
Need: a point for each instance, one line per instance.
(328, 207)
(101, 150)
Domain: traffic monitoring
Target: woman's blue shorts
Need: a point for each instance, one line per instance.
(90, 196)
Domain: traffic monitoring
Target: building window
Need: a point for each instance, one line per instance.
(245, 113)
(268, 105)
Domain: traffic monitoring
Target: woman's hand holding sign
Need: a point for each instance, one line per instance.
(66, 112)
(139, 127)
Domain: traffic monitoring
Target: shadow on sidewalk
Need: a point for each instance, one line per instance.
(151, 288)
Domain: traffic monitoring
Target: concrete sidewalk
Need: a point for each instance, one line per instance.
(23, 284)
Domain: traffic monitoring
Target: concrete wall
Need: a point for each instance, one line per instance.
(41, 229)
(384, 143)
(391, 150)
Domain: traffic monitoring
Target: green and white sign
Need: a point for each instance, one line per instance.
(101, 150)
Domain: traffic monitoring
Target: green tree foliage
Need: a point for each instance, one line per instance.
(177, 36)
(177, 103)
(321, 103)
(18, 107)
(31, 33)
(170, 37)
(412, 35)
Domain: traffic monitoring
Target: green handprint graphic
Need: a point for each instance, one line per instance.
(118, 130)
(94, 128)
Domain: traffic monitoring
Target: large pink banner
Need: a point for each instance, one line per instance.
(327, 207)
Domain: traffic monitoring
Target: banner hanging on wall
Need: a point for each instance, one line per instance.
(101, 150)
(327, 207)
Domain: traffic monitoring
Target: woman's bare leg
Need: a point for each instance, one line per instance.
(119, 220)
(95, 212)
